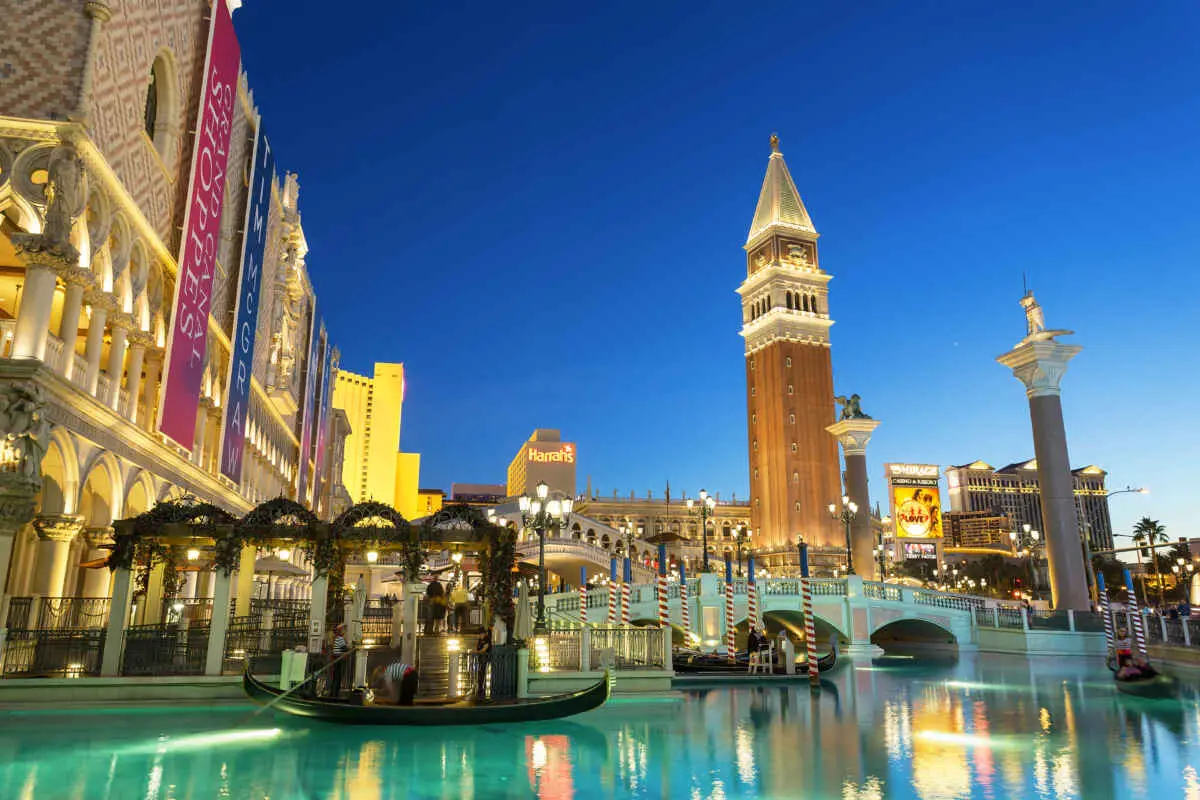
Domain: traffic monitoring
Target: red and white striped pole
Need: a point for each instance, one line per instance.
(625, 589)
(810, 631)
(1139, 628)
(685, 612)
(730, 631)
(752, 594)
(664, 612)
(583, 595)
(612, 592)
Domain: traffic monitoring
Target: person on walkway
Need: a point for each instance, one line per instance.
(461, 602)
(339, 651)
(435, 606)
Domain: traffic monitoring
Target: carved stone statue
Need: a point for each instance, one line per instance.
(798, 254)
(25, 429)
(851, 408)
(1035, 321)
(64, 194)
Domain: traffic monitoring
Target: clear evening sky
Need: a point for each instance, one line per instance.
(540, 208)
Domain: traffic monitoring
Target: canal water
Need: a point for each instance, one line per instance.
(992, 727)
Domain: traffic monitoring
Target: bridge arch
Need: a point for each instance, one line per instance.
(913, 633)
(793, 622)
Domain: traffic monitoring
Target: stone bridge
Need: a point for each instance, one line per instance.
(566, 557)
(862, 614)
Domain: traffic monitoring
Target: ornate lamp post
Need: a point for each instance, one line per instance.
(630, 531)
(1027, 544)
(706, 507)
(541, 512)
(740, 535)
(846, 516)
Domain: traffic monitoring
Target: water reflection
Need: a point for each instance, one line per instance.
(988, 727)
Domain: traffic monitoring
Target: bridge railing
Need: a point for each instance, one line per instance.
(958, 602)
(882, 591)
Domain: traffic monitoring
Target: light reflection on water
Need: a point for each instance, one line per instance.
(987, 727)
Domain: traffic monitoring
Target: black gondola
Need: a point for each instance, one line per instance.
(1155, 687)
(456, 713)
(698, 664)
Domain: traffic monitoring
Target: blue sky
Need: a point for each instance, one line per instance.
(540, 208)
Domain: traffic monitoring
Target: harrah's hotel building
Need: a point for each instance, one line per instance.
(544, 457)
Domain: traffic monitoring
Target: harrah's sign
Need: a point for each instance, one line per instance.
(188, 337)
(563, 455)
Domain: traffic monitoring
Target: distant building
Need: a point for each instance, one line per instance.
(1013, 491)
(374, 468)
(430, 501)
(977, 529)
(544, 457)
(478, 494)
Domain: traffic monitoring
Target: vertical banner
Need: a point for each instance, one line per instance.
(311, 365)
(314, 436)
(241, 362)
(321, 462)
(188, 336)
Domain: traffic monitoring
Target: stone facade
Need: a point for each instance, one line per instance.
(93, 185)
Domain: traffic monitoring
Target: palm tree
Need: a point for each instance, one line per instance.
(1151, 532)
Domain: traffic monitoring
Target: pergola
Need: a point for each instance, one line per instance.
(165, 533)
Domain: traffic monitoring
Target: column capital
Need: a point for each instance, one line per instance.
(854, 434)
(38, 252)
(141, 338)
(121, 320)
(17, 501)
(57, 527)
(97, 11)
(102, 300)
(98, 537)
(1040, 365)
(78, 276)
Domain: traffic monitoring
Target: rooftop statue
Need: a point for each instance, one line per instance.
(1035, 322)
(851, 408)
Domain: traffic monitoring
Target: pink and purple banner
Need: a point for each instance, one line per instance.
(312, 364)
(241, 361)
(188, 336)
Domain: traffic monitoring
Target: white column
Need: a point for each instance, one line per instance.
(199, 440)
(118, 621)
(137, 352)
(150, 390)
(33, 318)
(55, 534)
(316, 613)
(95, 581)
(215, 658)
(116, 357)
(68, 329)
(101, 305)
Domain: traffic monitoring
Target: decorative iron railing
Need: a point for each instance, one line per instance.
(556, 650)
(18, 613)
(57, 653)
(629, 648)
(163, 649)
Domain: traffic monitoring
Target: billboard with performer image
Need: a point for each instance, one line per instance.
(917, 512)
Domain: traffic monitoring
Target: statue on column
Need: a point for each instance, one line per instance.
(1035, 321)
(851, 407)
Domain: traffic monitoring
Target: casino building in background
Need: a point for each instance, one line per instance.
(544, 457)
(159, 330)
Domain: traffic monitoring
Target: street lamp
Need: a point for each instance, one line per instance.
(707, 504)
(846, 515)
(740, 534)
(629, 531)
(541, 512)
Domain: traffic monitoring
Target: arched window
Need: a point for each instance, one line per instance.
(162, 108)
(789, 300)
(804, 302)
(812, 303)
(791, 390)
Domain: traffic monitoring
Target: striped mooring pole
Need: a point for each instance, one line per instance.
(612, 592)
(626, 587)
(752, 594)
(583, 595)
(1135, 614)
(730, 631)
(1106, 615)
(810, 624)
(664, 614)
(685, 613)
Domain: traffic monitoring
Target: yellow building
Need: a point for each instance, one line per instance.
(373, 467)
(430, 501)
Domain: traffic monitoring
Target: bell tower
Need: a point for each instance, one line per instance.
(794, 471)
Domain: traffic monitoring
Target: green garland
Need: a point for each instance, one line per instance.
(498, 577)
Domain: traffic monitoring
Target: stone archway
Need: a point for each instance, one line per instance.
(909, 634)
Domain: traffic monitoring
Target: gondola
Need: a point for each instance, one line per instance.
(457, 713)
(700, 664)
(1157, 687)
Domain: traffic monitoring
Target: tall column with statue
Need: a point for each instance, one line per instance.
(854, 431)
(1040, 361)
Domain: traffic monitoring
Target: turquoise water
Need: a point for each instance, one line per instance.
(986, 727)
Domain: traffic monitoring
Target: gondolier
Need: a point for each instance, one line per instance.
(339, 651)
(399, 680)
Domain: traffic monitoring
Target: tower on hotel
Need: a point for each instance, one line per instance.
(544, 457)
(794, 472)
(373, 467)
